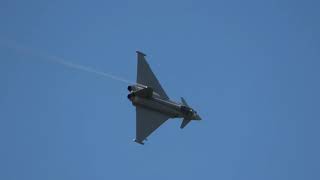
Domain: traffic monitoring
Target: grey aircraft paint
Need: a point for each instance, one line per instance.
(153, 106)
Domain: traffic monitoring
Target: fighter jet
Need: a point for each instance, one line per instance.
(153, 106)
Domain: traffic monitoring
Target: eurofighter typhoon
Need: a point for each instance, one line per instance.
(153, 106)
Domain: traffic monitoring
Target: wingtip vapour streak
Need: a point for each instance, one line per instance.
(61, 61)
(88, 69)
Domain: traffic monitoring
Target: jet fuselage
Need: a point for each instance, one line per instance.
(155, 103)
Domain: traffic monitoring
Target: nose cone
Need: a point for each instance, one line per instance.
(197, 117)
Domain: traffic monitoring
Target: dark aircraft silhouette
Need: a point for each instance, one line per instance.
(153, 106)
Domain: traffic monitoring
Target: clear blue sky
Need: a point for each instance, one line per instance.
(250, 68)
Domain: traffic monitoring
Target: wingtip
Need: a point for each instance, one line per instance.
(139, 142)
(141, 53)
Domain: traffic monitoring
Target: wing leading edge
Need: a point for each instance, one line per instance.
(146, 77)
(147, 121)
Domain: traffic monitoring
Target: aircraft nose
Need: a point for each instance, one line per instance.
(197, 117)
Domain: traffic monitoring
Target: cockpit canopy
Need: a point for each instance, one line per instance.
(186, 110)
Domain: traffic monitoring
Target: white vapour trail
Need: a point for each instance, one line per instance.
(88, 69)
(65, 63)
